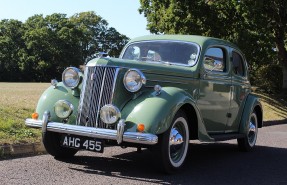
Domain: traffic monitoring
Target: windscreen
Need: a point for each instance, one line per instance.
(173, 52)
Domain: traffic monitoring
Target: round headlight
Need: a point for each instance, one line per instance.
(133, 80)
(63, 109)
(71, 77)
(110, 114)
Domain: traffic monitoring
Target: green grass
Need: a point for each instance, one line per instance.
(19, 100)
(274, 106)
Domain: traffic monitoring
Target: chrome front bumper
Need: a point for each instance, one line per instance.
(119, 135)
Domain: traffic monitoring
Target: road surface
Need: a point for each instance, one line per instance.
(208, 163)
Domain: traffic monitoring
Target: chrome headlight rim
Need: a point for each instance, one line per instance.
(142, 80)
(105, 111)
(77, 75)
(66, 104)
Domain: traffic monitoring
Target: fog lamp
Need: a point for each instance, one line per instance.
(63, 109)
(110, 114)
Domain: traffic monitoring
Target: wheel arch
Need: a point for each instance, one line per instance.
(161, 110)
(259, 113)
(51, 95)
(252, 105)
(192, 120)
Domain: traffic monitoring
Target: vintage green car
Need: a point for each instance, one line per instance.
(162, 92)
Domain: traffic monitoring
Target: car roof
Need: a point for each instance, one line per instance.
(200, 40)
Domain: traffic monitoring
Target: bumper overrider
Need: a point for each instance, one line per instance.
(119, 135)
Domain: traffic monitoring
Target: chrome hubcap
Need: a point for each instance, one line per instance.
(175, 141)
(252, 131)
(178, 142)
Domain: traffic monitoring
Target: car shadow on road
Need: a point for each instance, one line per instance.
(213, 163)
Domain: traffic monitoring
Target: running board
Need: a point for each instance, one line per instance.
(224, 137)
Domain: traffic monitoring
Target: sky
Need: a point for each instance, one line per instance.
(123, 15)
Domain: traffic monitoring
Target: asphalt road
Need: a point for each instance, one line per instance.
(212, 163)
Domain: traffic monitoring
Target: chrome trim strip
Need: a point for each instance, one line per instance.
(100, 98)
(153, 87)
(105, 65)
(114, 84)
(162, 81)
(130, 137)
(81, 96)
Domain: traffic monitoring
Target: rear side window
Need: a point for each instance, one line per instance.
(214, 57)
(238, 64)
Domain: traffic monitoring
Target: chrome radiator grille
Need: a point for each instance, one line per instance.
(98, 87)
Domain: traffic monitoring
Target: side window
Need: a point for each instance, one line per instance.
(238, 65)
(214, 60)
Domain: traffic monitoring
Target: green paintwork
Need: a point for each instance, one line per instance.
(213, 96)
(156, 112)
(51, 96)
(251, 102)
(160, 69)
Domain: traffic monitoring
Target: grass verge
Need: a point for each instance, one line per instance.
(274, 106)
(17, 102)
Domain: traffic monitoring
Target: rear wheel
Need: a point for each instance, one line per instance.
(174, 144)
(51, 141)
(249, 140)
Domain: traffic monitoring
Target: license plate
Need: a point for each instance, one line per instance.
(85, 143)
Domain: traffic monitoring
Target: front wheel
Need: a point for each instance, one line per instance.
(51, 142)
(174, 144)
(249, 140)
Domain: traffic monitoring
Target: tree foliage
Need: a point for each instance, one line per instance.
(42, 47)
(258, 27)
(11, 44)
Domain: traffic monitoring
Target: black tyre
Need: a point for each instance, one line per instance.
(173, 144)
(249, 140)
(51, 141)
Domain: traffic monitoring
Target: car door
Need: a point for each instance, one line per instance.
(215, 89)
(240, 89)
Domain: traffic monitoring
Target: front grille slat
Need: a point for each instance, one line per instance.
(97, 91)
(84, 99)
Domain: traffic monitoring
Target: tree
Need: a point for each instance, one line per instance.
(55, 42)
(42, 47)
(269, 17)
(94, 35)
(113, 42)
(258, 27)
(11, 44)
